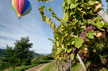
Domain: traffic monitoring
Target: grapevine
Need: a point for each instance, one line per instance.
(81, 31)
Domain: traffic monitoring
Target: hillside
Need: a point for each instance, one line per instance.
(36, 54)
(2, 51)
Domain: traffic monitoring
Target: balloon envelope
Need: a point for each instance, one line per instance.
(21, 7)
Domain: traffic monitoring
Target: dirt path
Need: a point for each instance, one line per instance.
(38, 68)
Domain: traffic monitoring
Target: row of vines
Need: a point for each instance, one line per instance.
(82, 33)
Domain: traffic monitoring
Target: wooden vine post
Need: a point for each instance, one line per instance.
(80, 29)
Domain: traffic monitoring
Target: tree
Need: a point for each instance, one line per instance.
(22, 53)
(19, 55)
(7, 60)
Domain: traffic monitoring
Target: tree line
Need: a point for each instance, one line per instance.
(17, 55)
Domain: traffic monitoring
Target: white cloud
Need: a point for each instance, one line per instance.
(3, 43)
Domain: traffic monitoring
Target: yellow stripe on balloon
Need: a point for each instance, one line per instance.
(13, 5)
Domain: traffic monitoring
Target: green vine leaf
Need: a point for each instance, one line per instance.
(69, 2)
(91, 2)
(51, 39)
(106, 25)
(66, 17)
(69, 50)
(73, 5)
(91, 22)
(59, 50)
(78, 42)
(72, 56)
(98, 24)
(81, 23)
(91, 34)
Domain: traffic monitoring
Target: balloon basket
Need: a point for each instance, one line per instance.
(19, 17)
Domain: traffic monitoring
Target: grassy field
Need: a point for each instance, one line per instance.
(76, 67)
(49, 67)
(23, 68)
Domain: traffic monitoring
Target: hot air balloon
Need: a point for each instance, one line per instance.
(21, 7)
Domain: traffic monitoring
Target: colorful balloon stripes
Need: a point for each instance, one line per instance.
(21, 7)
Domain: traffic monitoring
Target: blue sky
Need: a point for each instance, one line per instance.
(12, 28)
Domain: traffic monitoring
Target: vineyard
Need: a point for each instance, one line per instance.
(81, 37)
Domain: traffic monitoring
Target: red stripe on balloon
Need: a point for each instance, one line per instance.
(17, 5)
(21, 5)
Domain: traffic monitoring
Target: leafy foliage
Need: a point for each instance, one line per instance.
(22, 52)
(17, 56)
(79, 29)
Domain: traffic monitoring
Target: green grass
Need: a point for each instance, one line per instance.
(49, 67)
(76, 67)
(104, 69)
(23, 68)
